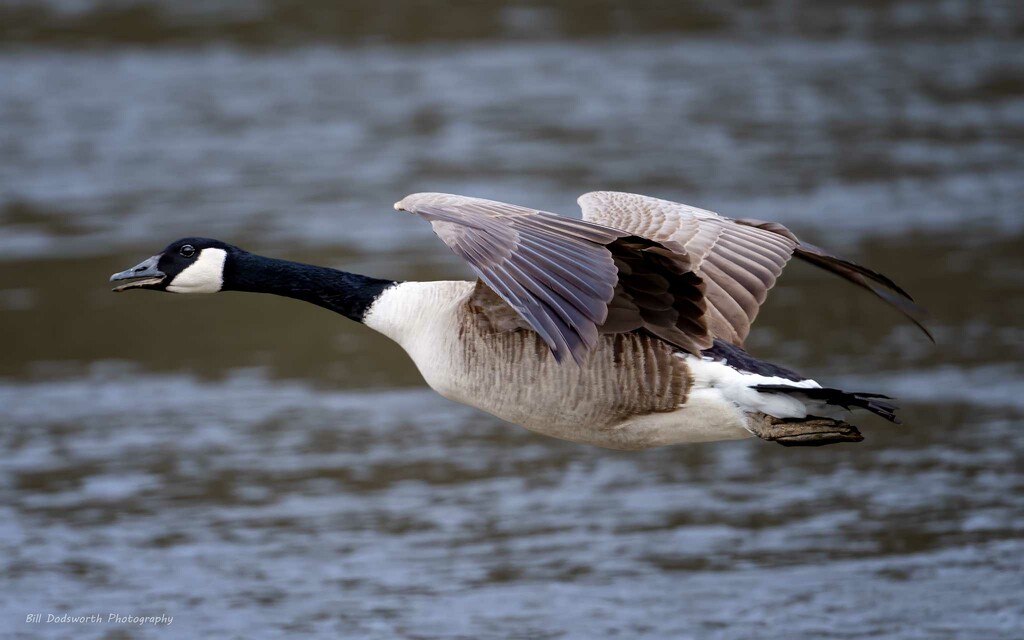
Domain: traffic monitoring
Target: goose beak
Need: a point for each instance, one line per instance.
(143, 274)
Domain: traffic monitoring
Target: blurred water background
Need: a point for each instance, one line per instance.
(259, 468)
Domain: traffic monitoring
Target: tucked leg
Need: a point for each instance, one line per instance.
(811, 431)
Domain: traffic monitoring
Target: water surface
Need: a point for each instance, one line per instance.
(260, 468)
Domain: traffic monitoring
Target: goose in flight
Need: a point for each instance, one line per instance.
(623, 330)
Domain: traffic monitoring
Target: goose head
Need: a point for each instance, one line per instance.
(189, 265)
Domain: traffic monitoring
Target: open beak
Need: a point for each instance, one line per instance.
(143, 274)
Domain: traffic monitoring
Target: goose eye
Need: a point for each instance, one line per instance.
(187, 250)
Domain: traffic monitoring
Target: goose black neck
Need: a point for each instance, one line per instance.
(349, 294)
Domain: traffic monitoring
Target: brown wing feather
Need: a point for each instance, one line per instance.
(667, 296)
(739, 260)
(570, 279)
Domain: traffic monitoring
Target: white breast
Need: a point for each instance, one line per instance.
(422, 317)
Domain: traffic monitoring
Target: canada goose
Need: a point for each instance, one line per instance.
(622, 330)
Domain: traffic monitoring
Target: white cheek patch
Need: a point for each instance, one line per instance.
(205, 275)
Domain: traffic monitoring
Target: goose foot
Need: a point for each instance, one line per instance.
(811, 431)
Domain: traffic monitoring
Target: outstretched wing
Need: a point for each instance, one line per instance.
(739, 260)
(571, 280)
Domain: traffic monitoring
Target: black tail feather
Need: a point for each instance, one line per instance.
(873, 402)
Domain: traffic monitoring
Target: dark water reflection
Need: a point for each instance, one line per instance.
(258, 468)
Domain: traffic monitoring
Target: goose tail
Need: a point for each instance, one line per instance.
(876, 403)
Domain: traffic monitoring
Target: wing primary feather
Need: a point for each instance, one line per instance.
(874, 282)
(568, 313)
(563, 247)
(586, 230)
(591, 306)
(518, 298)
(564, 337)
(812, 253)
(555, 262)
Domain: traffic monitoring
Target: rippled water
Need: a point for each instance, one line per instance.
(259, 468)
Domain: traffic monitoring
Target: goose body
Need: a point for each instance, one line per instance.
(632, 392)
(623, 330)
